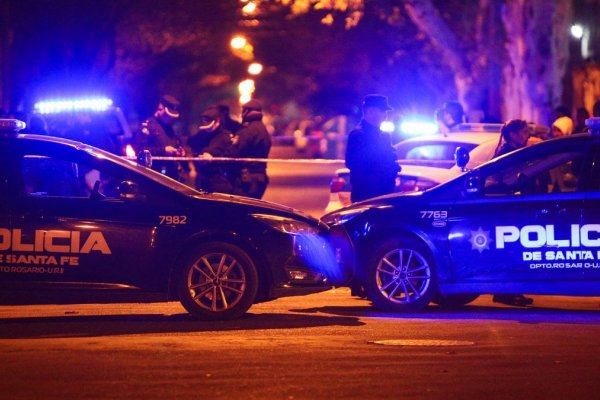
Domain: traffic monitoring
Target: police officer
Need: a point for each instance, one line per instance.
(369, 153)
(254, 141)
(213, 140)
(156, 134)
(449, 117)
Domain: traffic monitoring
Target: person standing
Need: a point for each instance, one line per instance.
(213, 140)
(228, 123)
(156, 135)
(449, 117)
(254, 141)
(513, 135)
(369, 153)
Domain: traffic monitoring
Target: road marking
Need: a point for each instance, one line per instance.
(422, 342)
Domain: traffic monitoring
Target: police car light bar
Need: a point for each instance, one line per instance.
(594, 125)
(418, 128)
(11, 125)
(93, 104)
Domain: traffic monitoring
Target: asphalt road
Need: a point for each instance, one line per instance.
(300, 185)
(323, 346)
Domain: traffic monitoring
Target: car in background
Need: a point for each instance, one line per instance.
(426, 161)
(525, 222)
(79, 225)
(96, 121)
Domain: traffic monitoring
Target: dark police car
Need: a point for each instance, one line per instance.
(527, 222)
(76, 220)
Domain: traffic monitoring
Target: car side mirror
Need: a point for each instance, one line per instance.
(461, 156)
(129, 190)
(144, 158)
(472, 184)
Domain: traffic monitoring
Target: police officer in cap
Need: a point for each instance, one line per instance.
(213, 140)
(254, 141)
(156, 134)
(369, 153)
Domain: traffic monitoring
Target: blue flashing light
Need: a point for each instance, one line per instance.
(387, 126)
(418, 128)
(90, 104)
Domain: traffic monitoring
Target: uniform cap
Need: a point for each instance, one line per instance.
(211, 113)
(376, 101)
(252, 105)
(171, 105)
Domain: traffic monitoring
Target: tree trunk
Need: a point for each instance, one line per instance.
(471, 76)
(537, 34)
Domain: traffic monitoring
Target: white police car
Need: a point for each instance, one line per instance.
(526, 222)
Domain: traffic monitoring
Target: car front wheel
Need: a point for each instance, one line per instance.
(218, 282)
(401, 276)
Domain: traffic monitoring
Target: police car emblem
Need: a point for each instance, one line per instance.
(480, 240)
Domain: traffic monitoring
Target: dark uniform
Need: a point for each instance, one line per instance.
(154, 137)
(254, 141)
(372, 162)
(214, 176)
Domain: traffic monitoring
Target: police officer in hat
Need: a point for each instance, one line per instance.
(369, 153)
(213, 140)
(156, 134)
(254, 141)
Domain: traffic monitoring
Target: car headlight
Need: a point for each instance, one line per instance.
(343, 216)
(287, 225)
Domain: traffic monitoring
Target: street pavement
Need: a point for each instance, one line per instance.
(323, 346)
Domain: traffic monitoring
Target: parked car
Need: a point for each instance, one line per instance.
(79, 224)
(525, 222)
(426, 161)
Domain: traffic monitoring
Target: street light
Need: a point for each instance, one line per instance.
(246, 88)
(238, 42)
(255, 68)
(249, 8)
(577, 31)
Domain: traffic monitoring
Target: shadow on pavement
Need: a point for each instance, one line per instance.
(109, 325)
(527, 315)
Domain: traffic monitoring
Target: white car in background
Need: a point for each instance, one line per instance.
(427, 161)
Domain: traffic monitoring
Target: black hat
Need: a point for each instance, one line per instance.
(377, 101)
(252, 105)
(211, 112)
(171, 105)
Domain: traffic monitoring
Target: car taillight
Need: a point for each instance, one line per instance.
(337, 185)
(414, 184)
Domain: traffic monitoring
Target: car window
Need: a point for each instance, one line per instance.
(551, 173)
(46, 176)
(430, 151)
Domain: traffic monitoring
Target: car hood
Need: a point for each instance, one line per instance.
(254, 205)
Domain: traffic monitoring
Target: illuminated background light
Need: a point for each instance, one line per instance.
(387, 126)
(249, 8)
(246, 88)
(238, 42)
(255, 68)
(577, 31)
(418, 128)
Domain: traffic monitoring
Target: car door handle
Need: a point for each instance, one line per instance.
(551, 211)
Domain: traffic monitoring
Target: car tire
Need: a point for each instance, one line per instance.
(400, 276)
(218, 281)
(454, 300)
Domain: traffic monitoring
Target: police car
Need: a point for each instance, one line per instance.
(77, 222)
(526, 222)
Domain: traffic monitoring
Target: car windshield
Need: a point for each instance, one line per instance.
(132, 165)
(430, 153)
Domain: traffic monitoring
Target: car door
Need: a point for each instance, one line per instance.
(522, 224)
(4, 208)
(70, 223)
(591, 217)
